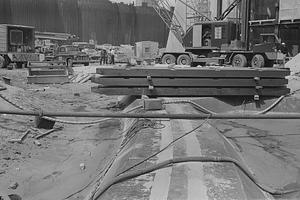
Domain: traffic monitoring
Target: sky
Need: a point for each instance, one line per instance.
(130, 1)
(125, 1)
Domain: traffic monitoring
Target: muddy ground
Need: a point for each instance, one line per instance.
(65, 161)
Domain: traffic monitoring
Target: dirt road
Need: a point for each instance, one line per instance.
(67, 160)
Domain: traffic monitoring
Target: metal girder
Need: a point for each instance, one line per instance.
(205, 18)
(228, 10)
(163, 9)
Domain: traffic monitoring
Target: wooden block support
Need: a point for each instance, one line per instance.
(41, 122)
(49, 79)
(45, 63)
(48, 72)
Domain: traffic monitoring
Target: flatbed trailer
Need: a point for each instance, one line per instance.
(265, 54)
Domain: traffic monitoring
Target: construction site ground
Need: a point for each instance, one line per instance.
(64, 162)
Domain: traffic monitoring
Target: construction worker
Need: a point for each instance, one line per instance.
(284, 49)
(105, 57)
(102, 57)
(112, 56)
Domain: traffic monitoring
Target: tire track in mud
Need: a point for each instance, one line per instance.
(268, 141)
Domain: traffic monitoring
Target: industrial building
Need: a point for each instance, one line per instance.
(277, 16)
(149, 3)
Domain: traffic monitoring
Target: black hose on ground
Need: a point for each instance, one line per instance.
(201, 159)
(154, 115)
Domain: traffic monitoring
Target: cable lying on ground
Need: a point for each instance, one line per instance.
(171, 162)
(195, 105)
(155, 115)
(165, 148)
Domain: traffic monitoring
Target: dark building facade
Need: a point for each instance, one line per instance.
(101, 20)
(277, 16)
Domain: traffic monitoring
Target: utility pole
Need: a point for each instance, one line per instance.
(219, 8)
(245, 17)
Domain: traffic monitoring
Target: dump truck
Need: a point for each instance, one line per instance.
(17, 45)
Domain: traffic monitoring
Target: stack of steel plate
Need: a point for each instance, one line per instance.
(50, 72)
(176, 81)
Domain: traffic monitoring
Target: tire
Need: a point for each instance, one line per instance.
(239, 60)
(270, 63)
(69, 62)
(258, 61)
(168, 59)
(184, 60)
(86, 64)
(2, 62)
(19, 65)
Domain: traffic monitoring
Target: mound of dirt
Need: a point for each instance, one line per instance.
(294, 64)
(51, 170)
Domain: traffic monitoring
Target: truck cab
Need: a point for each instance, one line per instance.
(71, 54)
(17, 45)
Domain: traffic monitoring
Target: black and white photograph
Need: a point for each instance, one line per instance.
(149, 99)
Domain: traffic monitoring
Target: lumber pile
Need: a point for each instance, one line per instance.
(51, 72)
(191, 82)
(80, 78)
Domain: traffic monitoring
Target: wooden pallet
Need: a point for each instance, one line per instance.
(47, 73)
(191, 82)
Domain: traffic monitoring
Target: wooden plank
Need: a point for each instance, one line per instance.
(188, 82)
(3, 38)
(47, 72)
(51, 79)
(47, 66)
(192, 92)
(46, 63)
(205, 72)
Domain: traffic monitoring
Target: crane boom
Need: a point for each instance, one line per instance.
(196, 11)
(228, 10)
(163, 9)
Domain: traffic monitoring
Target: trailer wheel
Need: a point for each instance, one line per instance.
(2, 62)
(86, 64)
(239, 60)
(69, 62)
(168, 59)
(184, 60)
(258, 61)
(269, 63)
(19, 65)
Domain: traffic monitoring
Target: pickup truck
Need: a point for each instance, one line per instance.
(70, 54)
